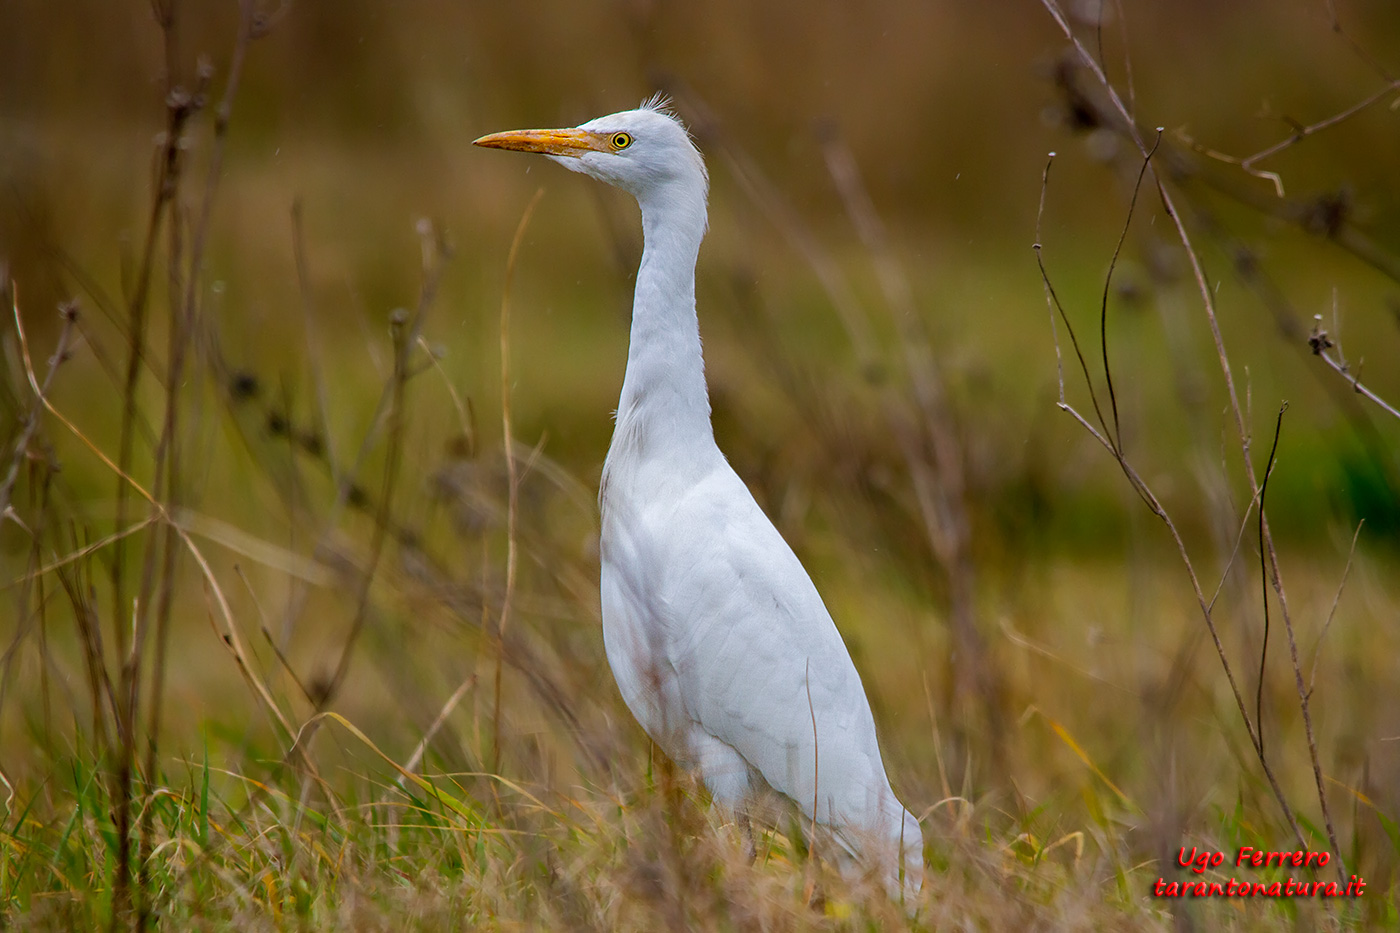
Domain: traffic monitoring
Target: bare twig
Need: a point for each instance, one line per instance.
(1146, 494)
(1264, 580)
(1052, 300)
(398, 323)
(1129, 128)
(183, 329)
(447, 708)
(180, 105)
(229, 635)
(513, 489)
(1301, 133)
(766, 197)
(941, 492)
(1107, 284)
(347, 484)
(1320, 343)
(31, 423)
(1331, 613)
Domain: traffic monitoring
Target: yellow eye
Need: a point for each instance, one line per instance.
(620, 140)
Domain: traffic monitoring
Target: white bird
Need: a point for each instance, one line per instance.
(720, 644)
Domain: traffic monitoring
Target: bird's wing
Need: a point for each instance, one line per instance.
(759, 662)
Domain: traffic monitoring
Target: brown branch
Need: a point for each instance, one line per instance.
(1208, 302)
(513, 488)
(941, 492)
(1288, 326)
(184, 326)
(1303, 132)
(1052, 300)
(1355, 46)
(398, 321)
(764, 195)
(1107, 283)
(1264, 579)
(1320, 343)
(348, 488)
(181, 106)
(229, 635)
(1336, 600)
(69, 313)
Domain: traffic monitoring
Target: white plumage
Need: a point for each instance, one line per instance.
(721, 645)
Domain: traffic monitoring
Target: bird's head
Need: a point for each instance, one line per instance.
(643, 151)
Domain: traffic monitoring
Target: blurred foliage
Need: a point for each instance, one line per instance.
(949, 110)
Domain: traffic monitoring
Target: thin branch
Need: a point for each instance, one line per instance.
(513, 489)
(398, 322)
(1346, 572)
(347, 483)
(1234, 552)
(1320, 342)
(1208, 302)
(183, 327)
(69, 314)
(1355, 46)
(181, 105)
(1303, 132)
(1264, 579)
(1051, 300)
(229, 635)
(1108, 281)
(416, 758)
(768, 199)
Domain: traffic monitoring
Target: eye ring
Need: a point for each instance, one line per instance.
(620, 141)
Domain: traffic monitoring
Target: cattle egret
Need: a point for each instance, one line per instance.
(721, 645)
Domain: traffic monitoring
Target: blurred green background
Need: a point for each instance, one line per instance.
(362, 114)
(949, 110)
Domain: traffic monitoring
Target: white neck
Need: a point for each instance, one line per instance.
(664, 400)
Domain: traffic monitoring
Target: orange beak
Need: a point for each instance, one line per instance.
(565, 142)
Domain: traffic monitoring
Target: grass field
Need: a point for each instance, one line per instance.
(285, 649)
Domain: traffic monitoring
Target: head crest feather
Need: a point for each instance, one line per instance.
(660, 102)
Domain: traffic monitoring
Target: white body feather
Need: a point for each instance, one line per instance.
(721, 645)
